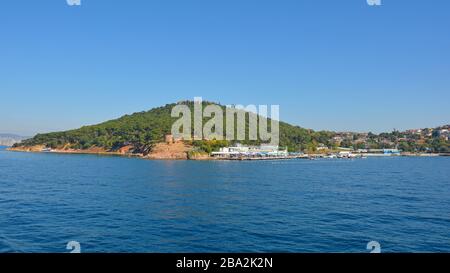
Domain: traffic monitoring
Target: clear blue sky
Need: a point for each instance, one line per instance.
(338, 65)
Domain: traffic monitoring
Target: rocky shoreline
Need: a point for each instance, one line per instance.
(161, 151)
(164, 151)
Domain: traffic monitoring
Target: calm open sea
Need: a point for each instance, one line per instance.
(116, 204)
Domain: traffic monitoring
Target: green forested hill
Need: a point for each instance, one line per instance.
(143, 129)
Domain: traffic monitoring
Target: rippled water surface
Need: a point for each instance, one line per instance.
(115, 204)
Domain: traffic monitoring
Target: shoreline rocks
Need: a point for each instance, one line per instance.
(161, 151)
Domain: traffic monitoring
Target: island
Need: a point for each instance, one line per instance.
(148, 135)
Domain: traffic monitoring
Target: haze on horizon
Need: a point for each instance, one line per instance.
(330, 65)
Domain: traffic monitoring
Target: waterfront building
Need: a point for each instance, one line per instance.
(321, 147)
(391, 152)
(344, 149)
(240, 151)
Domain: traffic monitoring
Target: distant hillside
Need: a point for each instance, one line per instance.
(10, 139)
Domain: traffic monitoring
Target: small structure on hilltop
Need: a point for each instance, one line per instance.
(169, 139)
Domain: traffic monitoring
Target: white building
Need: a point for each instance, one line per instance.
(250, 151)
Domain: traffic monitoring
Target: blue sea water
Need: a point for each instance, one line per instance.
(116, 204)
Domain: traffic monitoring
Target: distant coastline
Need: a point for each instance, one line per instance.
(10, 139)
(172, 151)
